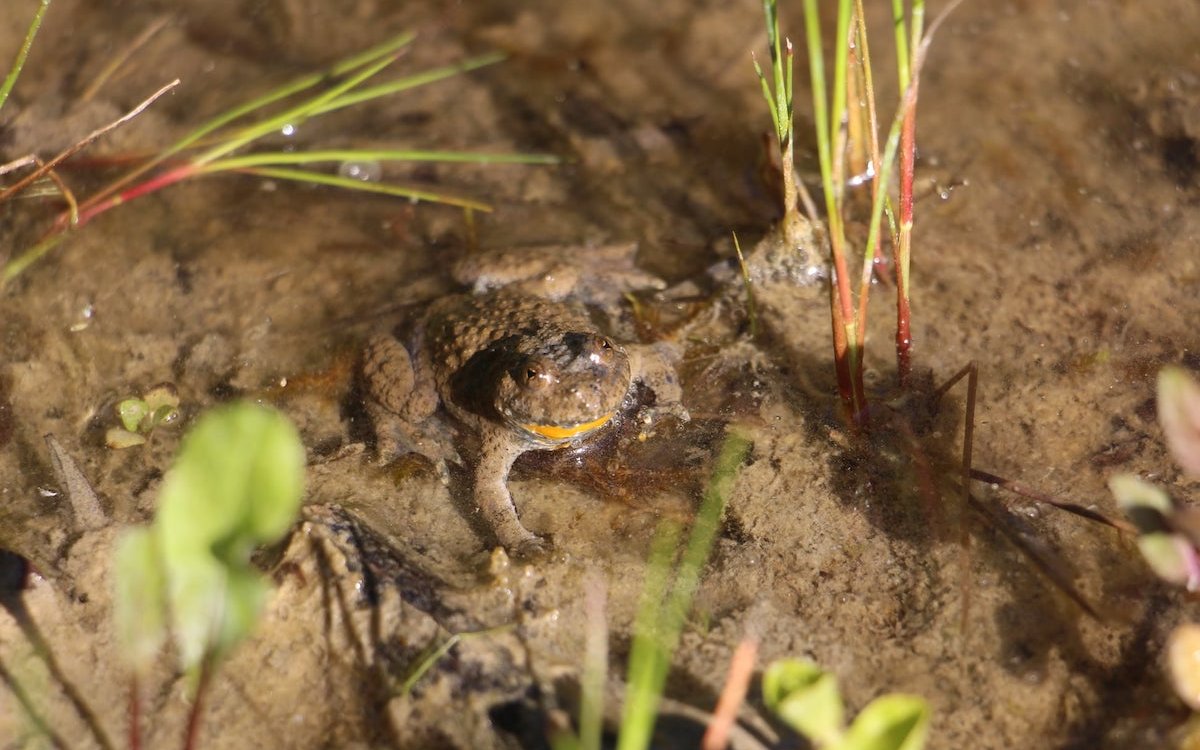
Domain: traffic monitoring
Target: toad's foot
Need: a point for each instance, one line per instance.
(495, 503)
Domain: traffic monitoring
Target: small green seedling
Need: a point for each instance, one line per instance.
(140, 416)
(1169, 535)
(665, 602)
(807, 699)
(235, 486)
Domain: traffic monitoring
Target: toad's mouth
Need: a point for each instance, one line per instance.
(561, 432)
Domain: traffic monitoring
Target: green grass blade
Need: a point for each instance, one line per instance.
(837, 114)
(708, 521)
(368, 56)
(883, 174)
(270, 158)
(293, 87)
(766, 92)
(349, 183)
(295, 114)
(900, 27)
(646, 660)
(595, 663)
(820, 101)
(15, 266)
(14, 72)
(662, 611)
(409, 82)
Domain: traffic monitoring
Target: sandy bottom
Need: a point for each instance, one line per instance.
(1055, 247)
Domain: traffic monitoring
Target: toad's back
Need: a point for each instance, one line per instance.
(460, 327)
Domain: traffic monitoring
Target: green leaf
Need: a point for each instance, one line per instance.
(237, 484)
(131, 412)
(1134, 495)
(1149, 507)
(139, 608)
(806, 698)
(119, 439)
(1179, 415)
(892, 722)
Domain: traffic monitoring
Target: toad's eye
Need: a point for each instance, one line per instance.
(598, 349)
(537, 373)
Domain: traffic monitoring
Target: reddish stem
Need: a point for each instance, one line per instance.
(908, 150)
(841, 356)
(193, 724)
(135, 714)
(741, 671)
(90, 210)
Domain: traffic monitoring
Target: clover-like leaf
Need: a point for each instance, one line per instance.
(1169, 554)
(132, 411)
(1179, 415)
(139, 598)
(236, 485)
(806, 698)
(891, 722)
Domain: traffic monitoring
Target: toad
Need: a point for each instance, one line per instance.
(518, 362)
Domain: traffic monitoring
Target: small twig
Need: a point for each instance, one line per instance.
(1017, 488)
(84, 143)
(122, 57)
(751, 308)
(737, 683)
(16, 164)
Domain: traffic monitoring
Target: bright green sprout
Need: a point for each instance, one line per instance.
(806, 698)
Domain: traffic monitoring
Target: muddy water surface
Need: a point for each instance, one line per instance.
(1056, 247)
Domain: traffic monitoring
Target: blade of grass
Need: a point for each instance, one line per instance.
(15, 266)
(595, 663)
(14, 72)
(269, 158)
(751, 307)
(846, 354)
(908, 149)
(258, 103)
(646, 660)
(349, 183)
(409, 82)
(663, 609)
(872, 137)
(123, 55)
(294, 114)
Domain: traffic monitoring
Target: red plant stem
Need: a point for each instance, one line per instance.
(193, 724)
(841, 356)
(908, 149)
(90, 210)
(135, 714)
(737, 683)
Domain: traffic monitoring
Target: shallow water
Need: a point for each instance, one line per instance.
(1055, 246)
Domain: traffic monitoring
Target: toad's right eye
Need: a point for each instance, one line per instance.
(537, 373)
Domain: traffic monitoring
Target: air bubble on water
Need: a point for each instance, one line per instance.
(288, 130)
(365, 170)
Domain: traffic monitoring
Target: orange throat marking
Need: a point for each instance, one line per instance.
(554, 432)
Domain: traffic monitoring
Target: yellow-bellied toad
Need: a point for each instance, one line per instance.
(522, 371)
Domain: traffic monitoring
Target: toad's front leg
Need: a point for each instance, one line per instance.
(495, 502)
